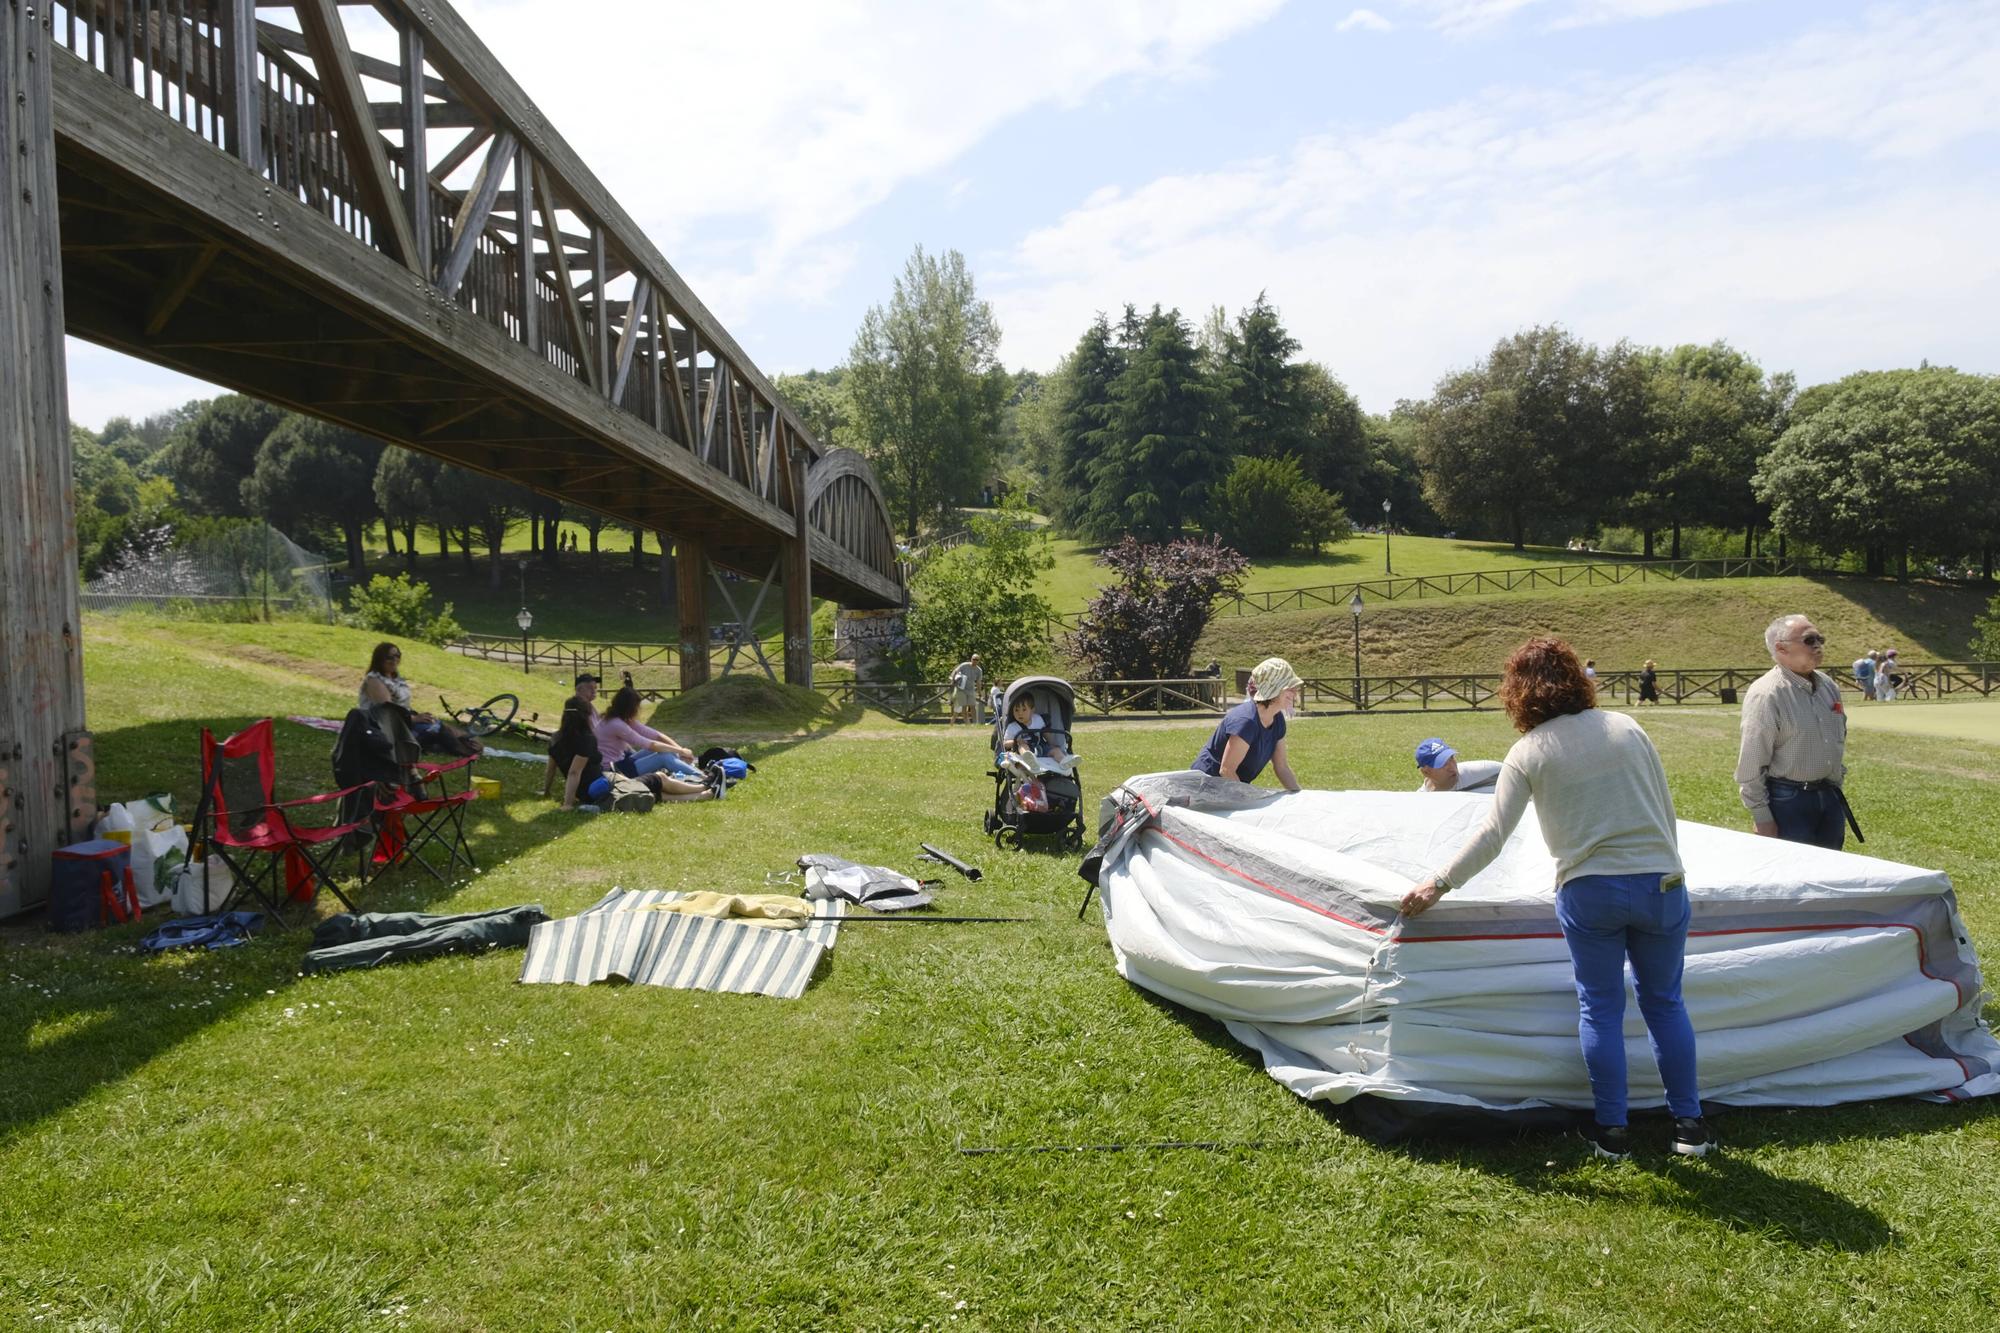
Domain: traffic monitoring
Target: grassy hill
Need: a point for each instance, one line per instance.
(1710, 623)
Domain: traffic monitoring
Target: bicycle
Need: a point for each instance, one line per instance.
(496, 714)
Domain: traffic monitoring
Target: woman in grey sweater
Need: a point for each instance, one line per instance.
(1601, 798)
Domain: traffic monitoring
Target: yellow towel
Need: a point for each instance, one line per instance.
(776, 910)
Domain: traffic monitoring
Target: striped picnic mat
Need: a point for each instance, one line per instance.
(615, 940)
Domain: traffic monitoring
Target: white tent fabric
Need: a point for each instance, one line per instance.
(1813, 976)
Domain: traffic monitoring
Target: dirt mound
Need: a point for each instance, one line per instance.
(738, 703)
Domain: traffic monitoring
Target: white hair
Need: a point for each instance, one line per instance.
(1774, 633)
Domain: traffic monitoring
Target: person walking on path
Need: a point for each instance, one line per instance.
(1793, 755)
(1600, 795)
(1649, 682)
(1252, 734)
(965, 681)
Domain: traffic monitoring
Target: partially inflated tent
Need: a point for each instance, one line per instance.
(1813, 976)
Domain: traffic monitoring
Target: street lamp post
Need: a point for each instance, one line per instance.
(1355, 606)
(526, 621)
(1385, 539)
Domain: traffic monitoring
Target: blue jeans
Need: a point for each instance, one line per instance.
(653, 761)
(1813, 816)
(1607, 919)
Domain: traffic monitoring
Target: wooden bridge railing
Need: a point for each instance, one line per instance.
(452, 172)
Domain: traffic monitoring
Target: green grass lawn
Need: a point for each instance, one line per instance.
(1077, 576)
(211, 1141)
(1711, 623)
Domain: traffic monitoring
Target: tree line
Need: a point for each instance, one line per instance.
(1155, 427)
(216, 461)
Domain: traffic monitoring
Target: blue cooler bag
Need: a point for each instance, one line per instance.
(92, 885)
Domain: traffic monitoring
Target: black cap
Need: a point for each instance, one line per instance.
(587, 677)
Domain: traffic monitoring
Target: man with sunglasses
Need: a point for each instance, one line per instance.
(1793, 756)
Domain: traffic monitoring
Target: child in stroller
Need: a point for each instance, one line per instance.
(1036, 787)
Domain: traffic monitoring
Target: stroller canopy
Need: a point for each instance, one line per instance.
(1053, 697)
(1813, 976)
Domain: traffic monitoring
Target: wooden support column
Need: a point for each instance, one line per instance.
(798, 575)
(691, 569)
(43, 750)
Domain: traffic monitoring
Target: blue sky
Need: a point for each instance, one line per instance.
(1409, 181)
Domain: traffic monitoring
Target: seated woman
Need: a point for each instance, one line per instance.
(576, 755)
(635, 749)
(384, 684)
(1025, 734)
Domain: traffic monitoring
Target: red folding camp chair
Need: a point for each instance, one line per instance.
(414, 822)
(273, 857)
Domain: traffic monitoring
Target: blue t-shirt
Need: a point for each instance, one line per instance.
(1242, 721)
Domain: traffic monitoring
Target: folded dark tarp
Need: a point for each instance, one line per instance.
(222, 930)
(366, 939)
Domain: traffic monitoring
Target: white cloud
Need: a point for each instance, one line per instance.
(1633, 208)
(1366, 19)
(786, 120)
(1463, 17)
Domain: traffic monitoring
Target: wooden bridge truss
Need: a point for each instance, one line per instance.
(353, 210)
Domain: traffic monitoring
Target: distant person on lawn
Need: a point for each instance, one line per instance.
(1649, 682)
(966, 679)
(1600, 795)
(1793, 754)
(1864, 674)
(1252, 734)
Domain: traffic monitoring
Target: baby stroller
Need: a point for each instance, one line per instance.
(1035, 795)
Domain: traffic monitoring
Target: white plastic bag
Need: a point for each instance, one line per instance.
(193, 897)
(159, 844)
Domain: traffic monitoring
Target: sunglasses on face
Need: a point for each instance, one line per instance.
(1812, 640)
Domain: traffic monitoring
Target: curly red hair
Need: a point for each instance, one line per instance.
(1544, 679)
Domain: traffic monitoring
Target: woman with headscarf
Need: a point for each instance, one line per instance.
(1252, 734)
(1600, 796)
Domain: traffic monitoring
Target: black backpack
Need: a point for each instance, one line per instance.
(715, 754)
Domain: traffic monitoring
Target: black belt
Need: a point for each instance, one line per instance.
(1823, 784)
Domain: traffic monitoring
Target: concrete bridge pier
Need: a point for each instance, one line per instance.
(47, 791)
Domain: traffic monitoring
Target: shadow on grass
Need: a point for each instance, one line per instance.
(1934, 618)
(1535, 1151)
(80, 1012)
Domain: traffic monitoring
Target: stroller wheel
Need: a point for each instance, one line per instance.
(1007, 839)
(989, 821)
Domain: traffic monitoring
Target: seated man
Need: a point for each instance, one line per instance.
(1439, 764)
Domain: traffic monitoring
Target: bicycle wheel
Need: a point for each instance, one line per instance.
(489, 717)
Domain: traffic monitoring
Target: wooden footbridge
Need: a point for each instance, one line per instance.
(353, 210)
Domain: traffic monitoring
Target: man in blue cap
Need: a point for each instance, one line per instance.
(1439, 764)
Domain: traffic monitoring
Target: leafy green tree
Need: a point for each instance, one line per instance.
(821, 403)
(1145, 625)
(482, 507)
(1985, 646)
(979, 597)
(312, 473)
(926, 387)
(1082, 415)
(405, 489)
(211, 454)
(1162, 451)
(1339, 452)
(1890, 463)
(1707, 416)
(1266, 507)
(1520, 441)
(402, 609)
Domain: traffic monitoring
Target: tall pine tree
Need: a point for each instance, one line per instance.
(1162, 451)
(1082, 413)
(1271, 414)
